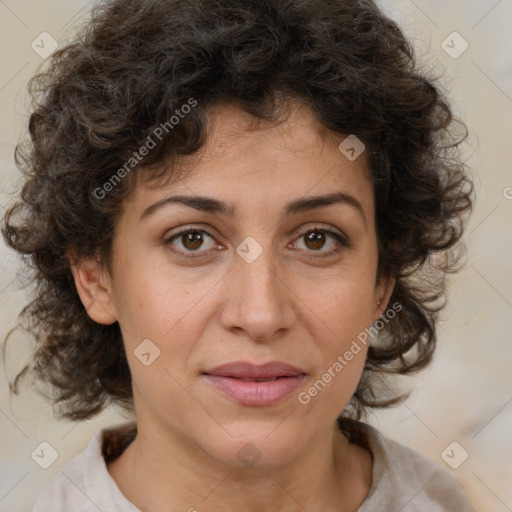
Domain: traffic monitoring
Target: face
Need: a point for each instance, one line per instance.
(255, 280)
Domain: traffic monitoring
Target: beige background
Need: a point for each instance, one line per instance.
(466, 395)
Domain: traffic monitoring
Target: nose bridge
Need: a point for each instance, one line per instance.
(256, 269)
(258, 298)
(258, 272)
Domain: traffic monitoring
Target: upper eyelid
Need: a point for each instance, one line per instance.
(328, 229)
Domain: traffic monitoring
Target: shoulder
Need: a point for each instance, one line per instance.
(84, 483)
(405, 480)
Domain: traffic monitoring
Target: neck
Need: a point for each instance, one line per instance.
(161, 468)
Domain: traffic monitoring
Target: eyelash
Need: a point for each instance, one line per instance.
(197, 254)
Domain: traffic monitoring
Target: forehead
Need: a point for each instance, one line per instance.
(249, 160)
(233, 133)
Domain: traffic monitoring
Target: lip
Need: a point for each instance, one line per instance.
(247, 370)
(227, 378)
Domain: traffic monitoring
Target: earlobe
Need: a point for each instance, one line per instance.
(94, 288)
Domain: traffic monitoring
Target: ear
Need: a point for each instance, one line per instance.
(94, 287)
(383, 292)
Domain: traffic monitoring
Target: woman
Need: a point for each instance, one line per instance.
(239, 216)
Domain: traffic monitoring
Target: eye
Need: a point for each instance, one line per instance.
(316, 238)
(191, 240)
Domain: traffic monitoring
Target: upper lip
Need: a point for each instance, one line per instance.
(246, 370)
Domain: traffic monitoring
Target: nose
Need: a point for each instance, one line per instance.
(259, 301)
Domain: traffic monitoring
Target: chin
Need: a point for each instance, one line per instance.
(261, 446)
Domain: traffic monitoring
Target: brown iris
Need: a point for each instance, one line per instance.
(195, 238)
(317, 238)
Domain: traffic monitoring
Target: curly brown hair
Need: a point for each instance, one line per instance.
(133, 64)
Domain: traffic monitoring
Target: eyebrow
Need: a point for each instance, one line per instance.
(212, 205)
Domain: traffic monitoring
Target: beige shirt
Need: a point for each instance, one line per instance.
(402, 479)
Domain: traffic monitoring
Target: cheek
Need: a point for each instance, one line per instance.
(343, 307)
(151, 297)
(341, 340)
(160, 307)
(352, 311)
(343, 296)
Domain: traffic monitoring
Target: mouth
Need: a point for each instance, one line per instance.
(260, 380)
(244, 370)
(250, 384)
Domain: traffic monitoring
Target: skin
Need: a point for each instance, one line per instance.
(290, 304)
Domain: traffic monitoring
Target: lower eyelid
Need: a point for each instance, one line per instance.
(336, 236)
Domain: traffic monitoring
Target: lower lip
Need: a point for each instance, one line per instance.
(256, 393)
